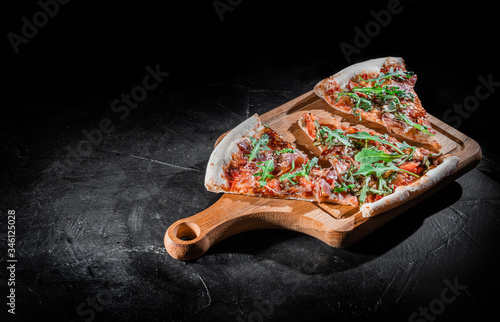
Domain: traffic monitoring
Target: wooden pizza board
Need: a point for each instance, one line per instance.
(336, 225)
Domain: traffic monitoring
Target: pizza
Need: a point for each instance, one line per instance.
(381, 91)
(254, 160)
(367, 169)
(379, 170)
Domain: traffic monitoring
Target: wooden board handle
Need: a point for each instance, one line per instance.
(191, 237)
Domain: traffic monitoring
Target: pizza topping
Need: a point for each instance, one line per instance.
(388, 92)
(380, 169)
(420, 127)
(289, 176)
(364, 166)
(324, 189)
(331, 137)
(265, 171)
(380, 91)
(385, 98)
(367, 163)
(342, 187)
(287, 150)
(368, 137)
(391, 73)
(260, 144)
(370, 156)
(287, 158)
(273, 187)
(304, 171)
(358, 100)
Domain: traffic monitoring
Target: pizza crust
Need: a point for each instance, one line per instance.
(403, 194)
(222, 154)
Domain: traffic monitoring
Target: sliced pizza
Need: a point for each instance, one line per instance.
(367, 169)
(379, 170)
(382, 91)
(254, 160)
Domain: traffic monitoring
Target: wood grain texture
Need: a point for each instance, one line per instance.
(336, 225)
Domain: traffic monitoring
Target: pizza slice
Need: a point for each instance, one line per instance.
(379, 170)
(382, 91)
(367, 169)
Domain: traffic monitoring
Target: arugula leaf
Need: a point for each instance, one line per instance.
(394, 103)
(307, 168)
(383, 188)
(361, 135)
(426, 161)
(289, 175)
(347, 176)
(331, 135)
(390, 74)
(302, 172)
(359, 102)
(377, 192)
(420, 127)
(364, 190)
(265, 171)
(369, 156)
(382, 92)
(343, 187)
(286, 150)
(258, 144)
(379, 169)
(404, 145)
(407, 157)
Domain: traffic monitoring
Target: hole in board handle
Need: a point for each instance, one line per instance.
(187, 231)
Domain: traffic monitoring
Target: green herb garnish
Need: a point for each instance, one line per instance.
(302, 172)
(384, 93)
(307, 168)
(382, 189)
(379, 169)
(426, 161)
(423, 128)
(328, 136)
(286, 150)
(265, 171)
(361, 135)
(369, 156)
(289, 175)
(358, 101)
(390, 74)
(260, 144)
(364, 190)
(343, 187)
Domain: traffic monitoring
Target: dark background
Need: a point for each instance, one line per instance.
(94, 230)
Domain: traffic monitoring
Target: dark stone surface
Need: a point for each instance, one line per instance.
(89, 230)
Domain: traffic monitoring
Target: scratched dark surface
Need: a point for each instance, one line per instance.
(89, 235)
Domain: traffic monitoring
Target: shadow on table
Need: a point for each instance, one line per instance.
(400, 228)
